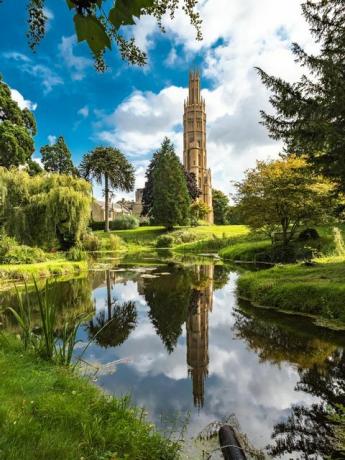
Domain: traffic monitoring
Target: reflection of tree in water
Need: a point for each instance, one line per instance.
(168, 298)
(313, 431)
(112, 327)
(309, 431)
(72, 298)
(220, 276)
(276, 340)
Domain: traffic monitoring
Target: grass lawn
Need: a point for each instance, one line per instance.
(317, 290)
(146, 237)
(47, 412)
(41, 269)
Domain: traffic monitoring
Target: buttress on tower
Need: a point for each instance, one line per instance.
(194, 141)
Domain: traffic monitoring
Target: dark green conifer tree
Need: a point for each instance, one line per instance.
(310, 113)
(166, 193)
(57, 158)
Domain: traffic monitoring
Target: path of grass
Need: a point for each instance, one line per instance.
(48, 413)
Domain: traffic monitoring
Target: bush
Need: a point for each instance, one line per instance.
(114, 243)
(13, 253)
(76, 254)
(91, 242)
(182, 236)
(97, 225)
(308, 234)
(124, 222)
(165, 241)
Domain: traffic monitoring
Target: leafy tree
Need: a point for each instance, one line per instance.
(17, 128)
(57, 158)
(309, 114)
(111, 166)
(45, 210)
(166, 199)
(98, 22)
(198, 211)
(220, 204)
(283, 195)
(192, 185)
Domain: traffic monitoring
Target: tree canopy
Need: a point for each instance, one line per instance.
(57, 158)
(220, 204)
(309, 114)
(45, 210)
(282, 195)
(17, 128)
(108, 165)
(166, 199)
(98, 23)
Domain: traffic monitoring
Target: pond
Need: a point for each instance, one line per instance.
(177, 339)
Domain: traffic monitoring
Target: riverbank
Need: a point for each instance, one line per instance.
(56, 267)
(47, 412)
(317, 289)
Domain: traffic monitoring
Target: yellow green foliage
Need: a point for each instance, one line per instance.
(45, 210)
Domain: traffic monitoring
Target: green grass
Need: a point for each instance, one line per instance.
(208, 236)
(41, 269)
(244, 251)
(317, 290)
(47, 412)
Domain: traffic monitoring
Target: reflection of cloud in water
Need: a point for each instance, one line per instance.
(258, 393)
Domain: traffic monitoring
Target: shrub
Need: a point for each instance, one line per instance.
(183, 236)
(308, 234)
(13, 253)
(76, 254)
(91, 242)
(124, 222)
(114, 243)
(165, 241)
(97, 225)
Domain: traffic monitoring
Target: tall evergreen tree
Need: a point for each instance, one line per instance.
(109, 166)
(57, 158)
(17, 128)
(310, 113)
(147, 200)
(166, 198)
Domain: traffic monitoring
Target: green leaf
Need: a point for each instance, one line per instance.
(124, 10)
(89, 28)
(70, 4)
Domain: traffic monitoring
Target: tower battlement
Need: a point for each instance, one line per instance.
(194, 140)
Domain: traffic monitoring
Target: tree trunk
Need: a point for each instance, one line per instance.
(106, 196)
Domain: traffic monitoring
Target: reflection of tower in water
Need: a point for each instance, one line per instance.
(197, 332)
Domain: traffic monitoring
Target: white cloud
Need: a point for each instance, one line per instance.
(50, 16)
(77, 64)
(23, 103)
(238, 36)
(51, 139)
(84, 111)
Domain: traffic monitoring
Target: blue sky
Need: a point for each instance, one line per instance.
(134, 108)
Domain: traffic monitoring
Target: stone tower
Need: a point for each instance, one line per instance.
(194, 141)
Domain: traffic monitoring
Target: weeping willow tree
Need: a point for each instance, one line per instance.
(45, 210)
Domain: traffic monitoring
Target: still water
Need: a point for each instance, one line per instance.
(177, 339)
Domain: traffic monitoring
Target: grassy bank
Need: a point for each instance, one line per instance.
(41, 269)
(206, 237)
(47, 412)
(317, 290)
